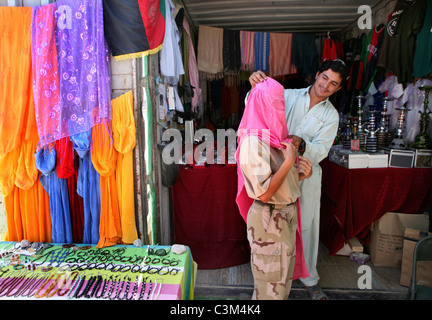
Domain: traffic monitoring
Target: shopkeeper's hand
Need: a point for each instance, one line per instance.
(304, 167)
(257, 77)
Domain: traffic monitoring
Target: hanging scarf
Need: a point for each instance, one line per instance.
(262, 50)
(210, 49)
(231, 50)
(71, 72)
(17, 121)
(193, 70)
(281, 43)
(67, 168)
(88, 187)
(264, 116)
(134, 27)
(57, 190)
(124, 134)
(247, 50)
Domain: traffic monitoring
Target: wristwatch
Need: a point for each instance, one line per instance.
(302, 146)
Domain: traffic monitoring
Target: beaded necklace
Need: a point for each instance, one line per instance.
(27, 283)
(60, 291)
(7, 282)
(96, 286)
(37, 295)
(150, 289)
(77, 294)
(135, 289)
(89, 286)
(116, 283)
(143, 288)
(34, 286)
(72, 290)
(121, 286)
(100, 293)
(126, 292)
(14, 285)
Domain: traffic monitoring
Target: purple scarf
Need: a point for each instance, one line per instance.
(71, 72)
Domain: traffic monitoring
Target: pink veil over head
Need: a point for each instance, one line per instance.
(264, 116)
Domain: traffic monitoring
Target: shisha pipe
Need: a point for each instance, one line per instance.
(384, 133)
(398, 139)
(371, 130)
(361, 126)
(422, 140)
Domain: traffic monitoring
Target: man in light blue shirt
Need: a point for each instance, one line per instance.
(312, 123)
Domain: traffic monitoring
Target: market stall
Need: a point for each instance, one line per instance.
(352, 199)
(69, 169)
(55, 271)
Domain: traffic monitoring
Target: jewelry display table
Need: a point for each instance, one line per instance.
(122, 272)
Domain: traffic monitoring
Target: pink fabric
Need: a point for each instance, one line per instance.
(265, 109)
(193, 71)
(247, 50)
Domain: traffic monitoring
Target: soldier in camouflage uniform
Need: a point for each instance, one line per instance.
(272, 234)
(270, 170)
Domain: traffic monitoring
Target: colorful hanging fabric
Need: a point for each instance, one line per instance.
(171, 64)
(210, 49)
(124, 135)
(231, 50)
(422, 65)
(193, 70)
(329, 50)
(104, 159)
(376, 38)
(134, 27)
(57, 190)
(28, 214)
(247, 50)
(67, 168)
(304, 53)
(409, 25)
(262, 49)
(280, 54)
(26, 202)
(16, 123)
(71, 72)
(88, 187)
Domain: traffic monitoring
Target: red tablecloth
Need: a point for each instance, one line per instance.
(206, 216)
(352, 199)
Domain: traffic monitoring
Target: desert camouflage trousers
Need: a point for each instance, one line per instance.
(272, 237)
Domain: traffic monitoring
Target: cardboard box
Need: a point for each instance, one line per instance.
(353, 245)
(387, 237)
(424, 274)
